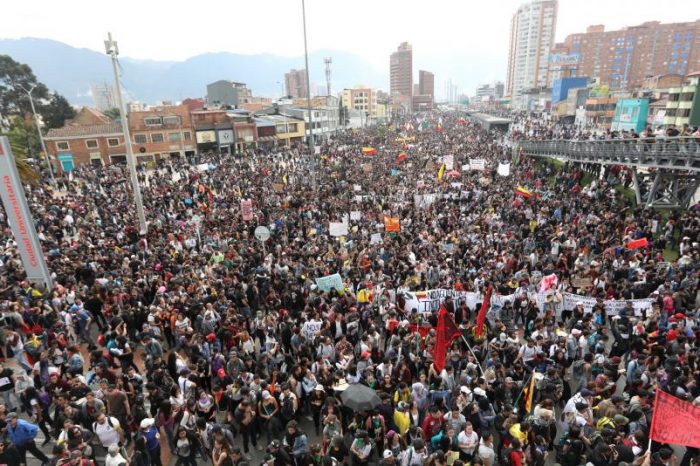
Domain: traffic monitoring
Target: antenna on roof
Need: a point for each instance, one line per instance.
(328, 62)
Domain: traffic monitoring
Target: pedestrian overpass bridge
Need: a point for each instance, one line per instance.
(666, 172)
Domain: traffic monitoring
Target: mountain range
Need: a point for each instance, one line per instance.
(72, 71)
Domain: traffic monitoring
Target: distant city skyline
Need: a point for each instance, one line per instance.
(456, 41)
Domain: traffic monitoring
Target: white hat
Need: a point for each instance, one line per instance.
(266, 394)
(147, 422)
(388, 454)
(465, 390)
(479, 391)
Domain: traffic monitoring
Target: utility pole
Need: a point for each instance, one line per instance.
(308, 81)
(328, 62)
(38, 129)
(112, 50)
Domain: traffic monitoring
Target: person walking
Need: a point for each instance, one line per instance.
(22, 434)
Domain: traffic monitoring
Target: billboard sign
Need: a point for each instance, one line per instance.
(20, 219)
(564, 58)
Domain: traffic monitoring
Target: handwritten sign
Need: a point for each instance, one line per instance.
(330, 282)
(247, 209)
(675, 421)
(338, 229)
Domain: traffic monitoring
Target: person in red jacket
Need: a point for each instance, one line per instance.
(432, 424)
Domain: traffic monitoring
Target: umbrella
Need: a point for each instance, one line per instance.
(360, 398)
(453, 173)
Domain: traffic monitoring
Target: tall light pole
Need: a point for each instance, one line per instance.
(38, 129)
(112, 50)
(308, 82)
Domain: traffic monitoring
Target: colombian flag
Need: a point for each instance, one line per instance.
(520, 191)
(369, 151)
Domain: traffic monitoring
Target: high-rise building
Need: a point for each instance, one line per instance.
(295, 84)
(532, 32)
(401, 71)
(623, 59)
(426, 83)
(103, 96)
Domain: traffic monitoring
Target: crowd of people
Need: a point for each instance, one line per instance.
(201, 343)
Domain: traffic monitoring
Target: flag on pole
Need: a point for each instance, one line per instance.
(481, 317)
(447, 331)
(639, 243)
(675, 421)
(529, 393)
(520, 191)
(441, 172)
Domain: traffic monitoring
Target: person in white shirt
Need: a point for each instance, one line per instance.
(468, 442)
(108, 430)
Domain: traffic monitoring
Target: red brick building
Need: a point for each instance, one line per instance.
(624, 58)
(161, 133)
(89, 138)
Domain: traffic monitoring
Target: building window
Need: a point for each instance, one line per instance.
(95, 159)
(187, 136)
(174, 137)
(292, 127)
(171, 120)
(152, 121)
(140, 138)
(113, 142)
(91, 144)
(62, 145)
(156, 138)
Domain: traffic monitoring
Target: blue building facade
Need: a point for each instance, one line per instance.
(560, 87)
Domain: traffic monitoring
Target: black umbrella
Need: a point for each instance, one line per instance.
(360, 398)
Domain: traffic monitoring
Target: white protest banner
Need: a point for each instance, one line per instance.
(355, 215)
(317, 150)
(357, 198)
(376, 238)
(357, 188)
(176, 177)
(449, 161)
(612, 306)
(428, 301)
(477, 164)
(330, 282)
(504, 169)
(338, 229)
(247, 209)
(466, 168)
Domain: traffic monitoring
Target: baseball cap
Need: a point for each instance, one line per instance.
(266, 394)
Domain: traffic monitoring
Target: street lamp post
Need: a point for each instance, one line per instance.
(38, 129)
(112, 50)
(308, 81)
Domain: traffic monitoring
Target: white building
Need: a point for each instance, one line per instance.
(532, 32)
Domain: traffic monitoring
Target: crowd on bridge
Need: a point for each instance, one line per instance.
(201, 341)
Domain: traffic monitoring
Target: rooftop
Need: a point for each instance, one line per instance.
(87, 130)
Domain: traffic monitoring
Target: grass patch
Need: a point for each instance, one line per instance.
(671, 255)
(627, 193)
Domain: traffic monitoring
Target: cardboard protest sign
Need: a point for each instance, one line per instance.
(330, 282)
(338, 229)
(392, 224)
(247, 209)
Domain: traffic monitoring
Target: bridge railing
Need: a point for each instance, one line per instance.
(680, 153)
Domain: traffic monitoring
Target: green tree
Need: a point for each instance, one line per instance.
(113, 113)
(23, 136)
(56, 112)
(15, 80)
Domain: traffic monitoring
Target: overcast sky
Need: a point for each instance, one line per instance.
(453, 38)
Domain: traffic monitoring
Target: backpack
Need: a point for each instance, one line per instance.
(288, 407)
(505, 456)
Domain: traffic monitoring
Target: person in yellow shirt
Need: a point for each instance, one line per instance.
(520, 431)
(402, 419)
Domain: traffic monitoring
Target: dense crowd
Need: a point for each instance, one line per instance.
(201, 341)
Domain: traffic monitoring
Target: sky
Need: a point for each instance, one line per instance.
(462, 40)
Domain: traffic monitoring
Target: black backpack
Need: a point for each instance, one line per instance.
(505, 456)
(288, 407)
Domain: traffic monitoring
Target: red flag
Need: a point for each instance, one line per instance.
(447, 331)
(481, 318)
(639, 243)
(675, 421)
(401, 157)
